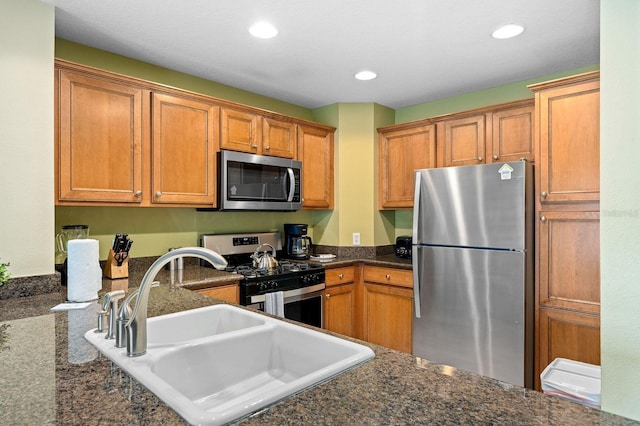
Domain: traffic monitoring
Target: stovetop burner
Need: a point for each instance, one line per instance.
(285, 267)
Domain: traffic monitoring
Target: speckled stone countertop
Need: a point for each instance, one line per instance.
(50, 375)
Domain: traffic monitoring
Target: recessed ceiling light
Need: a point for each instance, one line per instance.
(508, 31)
(365, 75)
(263, 30)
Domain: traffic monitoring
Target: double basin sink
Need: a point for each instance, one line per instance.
(220, 363)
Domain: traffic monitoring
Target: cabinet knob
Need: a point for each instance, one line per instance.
(543, 219)
(479, 159)
(543, 195)
(158, 194)
(388, 276)
(341, 276)
(495, 157)
(138, 193)
(254, 146)
(267, 147)
(328, 295)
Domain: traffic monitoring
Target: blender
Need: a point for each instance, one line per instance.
(68, 232)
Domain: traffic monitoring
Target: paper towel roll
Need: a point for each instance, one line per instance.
(84, 276)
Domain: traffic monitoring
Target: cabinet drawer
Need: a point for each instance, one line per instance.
(339, 276)
(228, 293)
(391, 276)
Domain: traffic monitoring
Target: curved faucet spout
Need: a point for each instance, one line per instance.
(137, 325)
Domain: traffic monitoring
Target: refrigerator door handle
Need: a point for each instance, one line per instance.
(414, 257)
(416, 282)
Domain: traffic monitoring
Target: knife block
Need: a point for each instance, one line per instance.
(111, 268)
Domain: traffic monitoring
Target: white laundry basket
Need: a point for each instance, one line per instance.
(573, 380)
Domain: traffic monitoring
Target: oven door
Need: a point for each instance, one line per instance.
(259, 182)
(302, 304)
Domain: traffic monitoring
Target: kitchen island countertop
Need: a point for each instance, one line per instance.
(49, 376)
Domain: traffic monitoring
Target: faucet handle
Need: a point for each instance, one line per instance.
(112, 300)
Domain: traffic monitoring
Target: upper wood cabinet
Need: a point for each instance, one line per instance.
(98, 139)
(400, 152)
(240, 131)
(278, 138)
(461, 141)
(568, 138)
(184, 145)
(315, 150)
(250, 132)
(500, 133)
(121, 140)
(511, 134)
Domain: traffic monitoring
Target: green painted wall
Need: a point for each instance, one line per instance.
(81, 54)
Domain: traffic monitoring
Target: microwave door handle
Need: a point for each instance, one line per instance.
(292, 184)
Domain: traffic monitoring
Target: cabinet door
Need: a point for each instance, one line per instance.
(569, 138)
(565, 334)
(228, 293)
(339, 309)
(388, 316)
(569, 260)
(512, 135)
(315, 150)
(240, 131)
(278, 138)
(99, 140)
(184, 145)
(463, 141)
(400, 152)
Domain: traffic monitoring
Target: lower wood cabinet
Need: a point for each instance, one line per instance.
(388, 307)
(340, 296)
(566, 334)
(228, 293)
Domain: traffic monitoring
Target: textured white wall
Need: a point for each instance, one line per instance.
(620, 206)
(26, 136)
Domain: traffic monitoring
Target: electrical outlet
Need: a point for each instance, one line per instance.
(356, 238)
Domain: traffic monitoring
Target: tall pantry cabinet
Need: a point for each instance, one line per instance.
(567, 148)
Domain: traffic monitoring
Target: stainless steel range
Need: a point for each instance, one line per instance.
(301, 283)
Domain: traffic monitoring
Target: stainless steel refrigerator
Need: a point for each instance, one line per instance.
(473, 269)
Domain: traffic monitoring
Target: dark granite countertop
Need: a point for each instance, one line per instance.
(50, 375)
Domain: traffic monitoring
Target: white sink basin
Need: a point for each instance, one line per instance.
(249, 363)
(197, 323)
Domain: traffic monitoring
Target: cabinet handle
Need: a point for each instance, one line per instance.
(495, 157)
(341, 276)
(479, 158)
(388, 276)
(543, 219)
(543, 195)
(158, 194)
(254, 146)
(328, 295)
(267, 148)
(138, 193)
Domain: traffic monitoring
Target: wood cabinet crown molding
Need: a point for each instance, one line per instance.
(565, 81)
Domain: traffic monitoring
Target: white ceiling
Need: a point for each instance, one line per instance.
(422, 50)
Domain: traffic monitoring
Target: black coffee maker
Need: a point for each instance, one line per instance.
(296, 243)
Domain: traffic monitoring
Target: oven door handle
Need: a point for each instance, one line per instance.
(290, 293)
(292, 184)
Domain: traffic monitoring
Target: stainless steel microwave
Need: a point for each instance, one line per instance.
(259, 182)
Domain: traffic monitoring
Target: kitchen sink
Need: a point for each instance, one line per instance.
(194, 324)
(247, 362)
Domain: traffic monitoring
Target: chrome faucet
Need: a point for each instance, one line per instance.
(136, 326)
